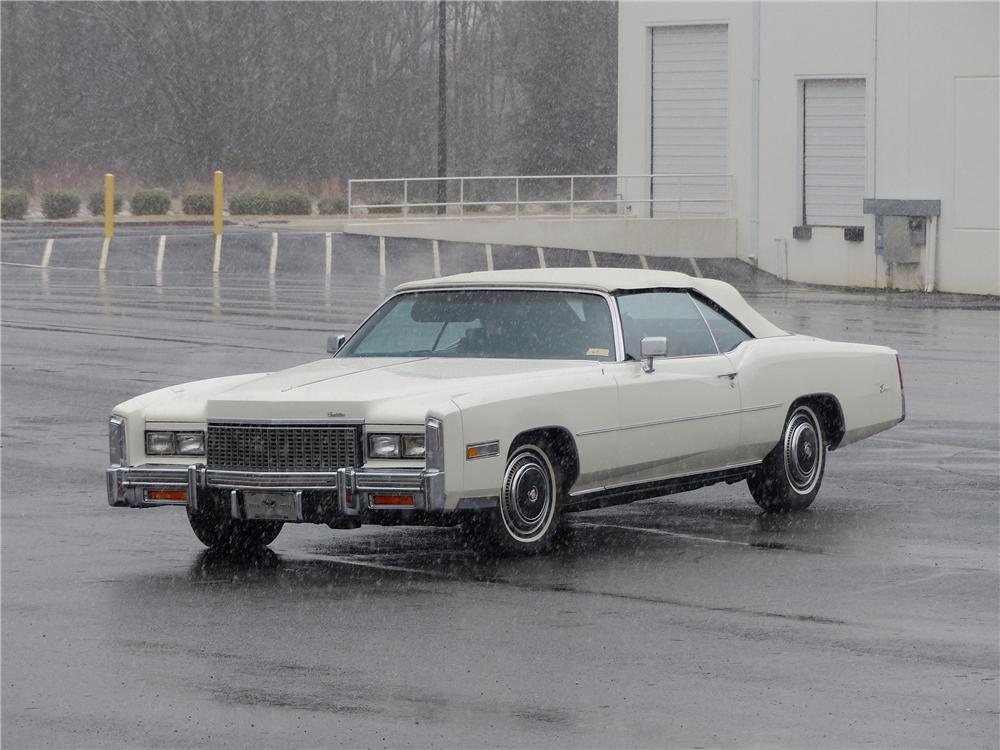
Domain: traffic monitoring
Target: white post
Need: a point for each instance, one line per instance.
(103, 264)
(273, 265)
(329, 253)
(217, 258)
(161, 251)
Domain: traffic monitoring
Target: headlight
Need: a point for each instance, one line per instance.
(116, 441)
(396, 446)
(413, 446)
(383, 446)
(191, 443)
(160, 443)
(174, 443)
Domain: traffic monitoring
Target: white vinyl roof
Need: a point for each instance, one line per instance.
(610, 280)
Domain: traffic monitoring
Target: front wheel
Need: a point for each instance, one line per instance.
(528, 515)
(229, 535)
(790, 475)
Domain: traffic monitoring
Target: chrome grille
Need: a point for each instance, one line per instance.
(269, 447)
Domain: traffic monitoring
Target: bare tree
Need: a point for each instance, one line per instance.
(301, 91)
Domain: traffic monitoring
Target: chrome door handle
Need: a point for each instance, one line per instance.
(730, 375)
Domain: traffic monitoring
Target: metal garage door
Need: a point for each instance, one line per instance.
(834, 155)
(690, 111)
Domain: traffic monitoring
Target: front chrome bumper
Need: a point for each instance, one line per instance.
(356, 490)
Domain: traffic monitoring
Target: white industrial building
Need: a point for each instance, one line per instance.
(845, 143)
(853, 144)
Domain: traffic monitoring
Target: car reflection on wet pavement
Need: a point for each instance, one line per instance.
(695, 619)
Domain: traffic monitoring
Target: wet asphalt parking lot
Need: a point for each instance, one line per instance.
(695, 620)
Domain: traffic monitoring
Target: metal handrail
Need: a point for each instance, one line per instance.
(622, 200)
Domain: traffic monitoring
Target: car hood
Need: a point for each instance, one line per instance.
(377, 390)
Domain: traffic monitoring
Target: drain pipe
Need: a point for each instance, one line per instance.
(930, 260)
(755, 138)
(875, 135)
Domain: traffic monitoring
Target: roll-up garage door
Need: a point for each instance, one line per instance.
(834, 156)
(690, 111)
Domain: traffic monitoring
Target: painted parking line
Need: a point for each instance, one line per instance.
(329, 253)
(47, 255)
(697, 271)
(663, 532)
(381, 256)
(593, 260)
(489, 257)
(436, 250)
(341, 560)
(541, 257)
(643, 263)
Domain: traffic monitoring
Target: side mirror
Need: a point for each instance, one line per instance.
(649, 347)
(334, 343)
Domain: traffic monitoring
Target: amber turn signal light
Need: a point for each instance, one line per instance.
(393, 500)
(173, 496)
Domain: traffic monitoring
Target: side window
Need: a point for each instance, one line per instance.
(728, 333)
(671, 314)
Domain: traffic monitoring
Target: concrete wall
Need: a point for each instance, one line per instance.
(931, 72)
(685, 238)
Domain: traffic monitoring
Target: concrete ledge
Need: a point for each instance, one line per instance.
(686, 238)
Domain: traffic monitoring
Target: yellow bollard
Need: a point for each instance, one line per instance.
(218, 202)
(109, 206)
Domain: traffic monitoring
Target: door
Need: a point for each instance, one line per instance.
(690, 120)
(833, 179)
(684, 417)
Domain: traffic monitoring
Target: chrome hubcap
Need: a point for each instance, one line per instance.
(526, 501)
(803, 451)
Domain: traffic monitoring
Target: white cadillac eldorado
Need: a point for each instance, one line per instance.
(510, 398)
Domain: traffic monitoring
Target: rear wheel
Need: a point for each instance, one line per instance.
(790, 475)
(230, 535)
(527, 518)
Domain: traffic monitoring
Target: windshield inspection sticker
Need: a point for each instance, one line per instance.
(597, 352)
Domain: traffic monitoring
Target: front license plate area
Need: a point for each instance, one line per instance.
(270, 506)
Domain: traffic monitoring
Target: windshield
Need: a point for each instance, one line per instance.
(495, 323)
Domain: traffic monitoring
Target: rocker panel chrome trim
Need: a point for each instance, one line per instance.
(669, 478)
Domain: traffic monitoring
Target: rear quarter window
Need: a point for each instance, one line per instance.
(727, 332)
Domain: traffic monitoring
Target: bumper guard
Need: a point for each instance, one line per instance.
(356, 489)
